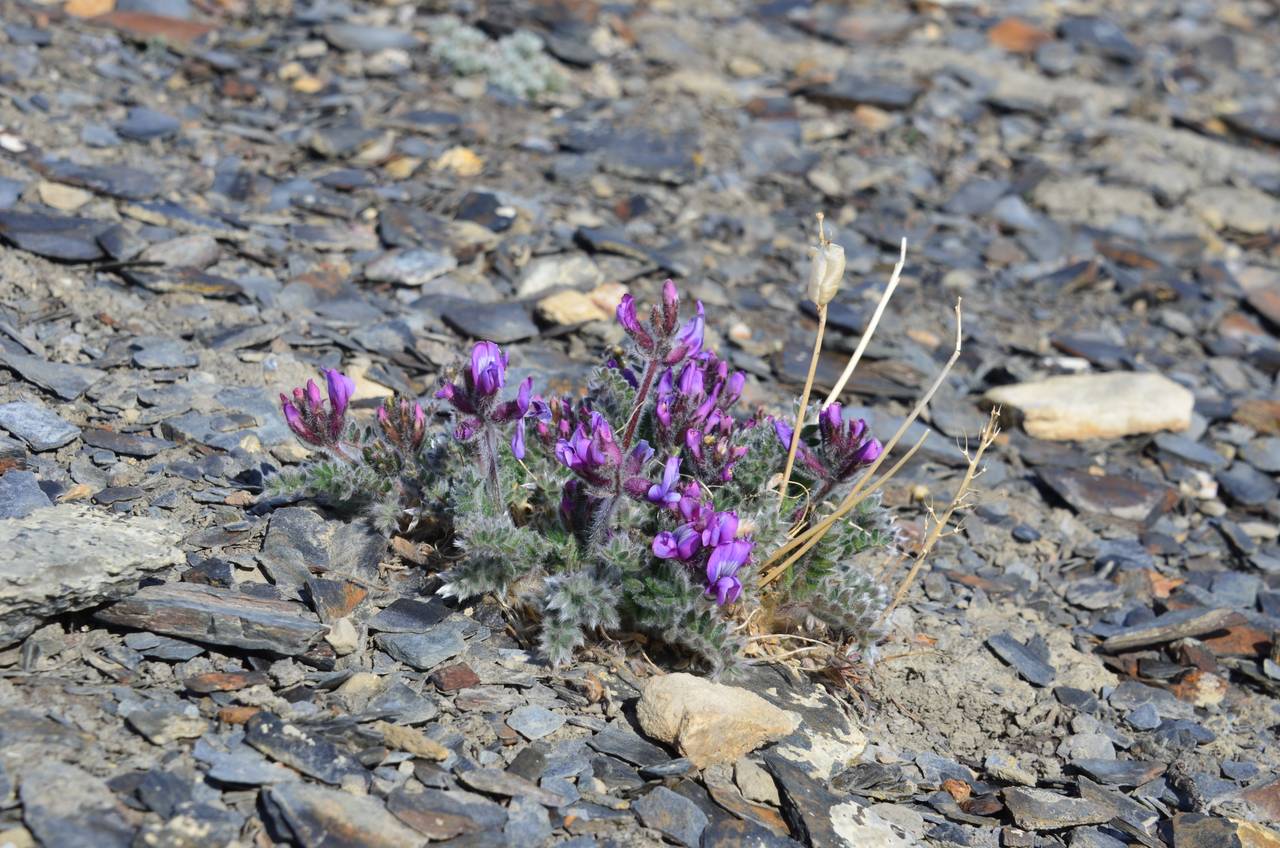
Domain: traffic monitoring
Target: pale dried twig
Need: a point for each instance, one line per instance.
(771, 571)
(871, 328)
(958, 501)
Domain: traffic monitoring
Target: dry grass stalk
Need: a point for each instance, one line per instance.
(771, 569)
(871, 328)
(804, 402)
(959, 501)
(826, 273)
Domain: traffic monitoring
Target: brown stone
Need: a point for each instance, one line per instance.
(228, 681)
(1262, 290)
(454, 677)
(1265, 799)
(1110, 494)
(1018, 36)
(140, 25)
(411, 740)
(237, 715)
(1241, 640)
(1261, 415)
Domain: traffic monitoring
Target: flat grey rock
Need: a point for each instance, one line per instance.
(37, 425)
(70, 557)
(21, 495)
(66, 381)
(66, 806)
(218, 616)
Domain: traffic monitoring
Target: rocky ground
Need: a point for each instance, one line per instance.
(203, 202)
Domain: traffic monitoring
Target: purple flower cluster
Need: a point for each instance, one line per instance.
(692, 412)
(404, 424)
(660, 341)
(477, 397)
(845, 445)
(707, 540)
(306, 414)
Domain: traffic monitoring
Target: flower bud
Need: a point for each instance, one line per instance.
(826, 272)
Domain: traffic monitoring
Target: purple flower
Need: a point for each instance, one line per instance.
(658, 338)
(488, 372)
(665, 493)
(844, 445)
(687, 400)
(524, 406)
(631, 323)
(689, 339)
(591, 452)
(722, 527)
(681, 543)
(722, 570)
(306, 414)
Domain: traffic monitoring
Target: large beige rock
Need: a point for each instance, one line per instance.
(1096, 406)
(709, 723)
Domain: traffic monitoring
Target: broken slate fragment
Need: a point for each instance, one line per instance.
(674, 816)
(406, 615)
(126, 444)
(497, 322)
(1028, 663)
(21, 495)
(72, 557)
(443, 815)
(628, 746)
(494, 781)
(423, 651)
(806, 803)
(1168, 627)
(295, 747)
(66, 381)
(65, 806)
(37, 425)
(65, 239)
(533, 721)
(1111, 494)
(219, 617)
(1040, 809)
(313, 816)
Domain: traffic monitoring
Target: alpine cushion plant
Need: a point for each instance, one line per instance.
(646, 504)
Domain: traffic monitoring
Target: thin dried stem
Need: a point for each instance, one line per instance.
(989, 433)
(871, 328)
(854, 497)
(804, 402)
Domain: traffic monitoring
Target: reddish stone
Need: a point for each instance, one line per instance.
(1241, 640)
(454, 677)
(1018, 36)
(1265, 799)
(1261, 415)
(231, 681)
(141, 25)
(236, 715)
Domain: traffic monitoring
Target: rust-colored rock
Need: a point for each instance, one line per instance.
(225, 681)
(454, 677)
(1241, 640)
(1018, 36)
(140, 25)
(1261, 415)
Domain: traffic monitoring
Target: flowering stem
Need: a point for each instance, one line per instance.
(642, 393)
(489, 456)
(804, 402)
(600, 521)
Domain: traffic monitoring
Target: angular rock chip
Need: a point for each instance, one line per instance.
(66, 381)
(672, 815)
(70, 557)
(317, 817)
(37, 425)
(219, 617)
(289, 744)
(66, 806)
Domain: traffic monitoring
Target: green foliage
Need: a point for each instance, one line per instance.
(516, 64)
